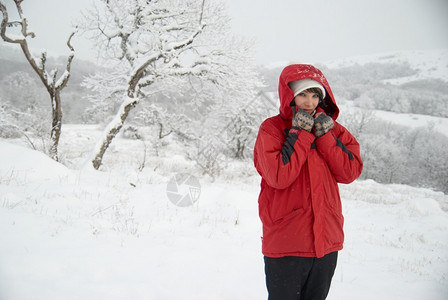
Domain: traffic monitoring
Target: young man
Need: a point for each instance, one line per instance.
(302, 154)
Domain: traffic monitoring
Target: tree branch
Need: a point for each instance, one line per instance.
(62, 82)
(53, 87)
(138, 74)
(5, 24)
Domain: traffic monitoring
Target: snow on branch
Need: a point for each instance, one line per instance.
(52, 84)
(155, 46)
(38, 65)
(62, 81)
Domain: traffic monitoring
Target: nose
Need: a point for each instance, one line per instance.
(309, 99)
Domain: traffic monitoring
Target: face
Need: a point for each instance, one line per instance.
(307, 101)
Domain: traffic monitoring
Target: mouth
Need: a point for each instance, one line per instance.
(311, 112)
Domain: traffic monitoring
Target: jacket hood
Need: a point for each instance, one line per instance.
(299, 72)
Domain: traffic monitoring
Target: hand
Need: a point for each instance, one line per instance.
(302, 120)
(322, 124)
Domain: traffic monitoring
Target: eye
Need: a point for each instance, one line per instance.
(316, 96)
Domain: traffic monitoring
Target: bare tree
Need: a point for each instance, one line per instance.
(52, 83)
(154, 44)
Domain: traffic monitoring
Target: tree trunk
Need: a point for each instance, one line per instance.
(56, 125)
(53, 86)
(112, 130)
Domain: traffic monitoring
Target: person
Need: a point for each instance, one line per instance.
(302, 154)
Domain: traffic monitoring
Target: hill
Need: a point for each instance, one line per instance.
(83, 234)
(427, 64)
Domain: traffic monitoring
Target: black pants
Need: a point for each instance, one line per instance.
(299, 278)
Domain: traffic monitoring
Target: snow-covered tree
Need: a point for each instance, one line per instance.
(155, 46)
(242, 124)
(17, 32)
(22, 113)
(357, 120)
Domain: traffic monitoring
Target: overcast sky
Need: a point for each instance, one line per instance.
(286, 30)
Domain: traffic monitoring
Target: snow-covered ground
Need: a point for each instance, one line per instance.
(415, 120)
(409, 120)
(83, 234)
(75, 233)
(429, 64)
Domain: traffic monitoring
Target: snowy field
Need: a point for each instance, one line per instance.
(76, 233)
(431, 64)
(413, 121)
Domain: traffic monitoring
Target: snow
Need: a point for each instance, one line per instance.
(430, 64)
(84, 234)
(116, 122)
(62, 79)
(415, 120)
(15, 168)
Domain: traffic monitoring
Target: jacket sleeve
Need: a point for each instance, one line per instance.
(279, 160)
(341, 151)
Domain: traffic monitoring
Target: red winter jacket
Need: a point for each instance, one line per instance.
(299, 202)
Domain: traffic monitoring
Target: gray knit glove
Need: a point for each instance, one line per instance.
(302, 120)
(322, 124)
